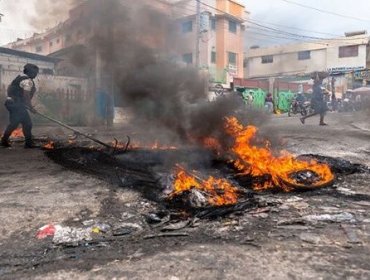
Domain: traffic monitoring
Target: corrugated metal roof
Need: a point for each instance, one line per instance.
(28, 55)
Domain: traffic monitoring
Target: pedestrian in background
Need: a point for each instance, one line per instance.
(269, 103)
(318, 102)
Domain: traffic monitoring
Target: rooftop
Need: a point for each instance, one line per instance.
(28, 55)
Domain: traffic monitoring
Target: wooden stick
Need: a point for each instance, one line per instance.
(166, 234)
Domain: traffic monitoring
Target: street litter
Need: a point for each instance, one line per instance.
(45, 231)
(335, 218)
(70, 235)
(125, 229)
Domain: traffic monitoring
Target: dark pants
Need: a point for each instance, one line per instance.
(18, 114)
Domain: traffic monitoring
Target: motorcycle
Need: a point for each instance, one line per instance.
(299, 107)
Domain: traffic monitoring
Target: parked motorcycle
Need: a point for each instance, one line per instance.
(299, 107)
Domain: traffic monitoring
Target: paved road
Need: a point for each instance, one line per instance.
(35, 191)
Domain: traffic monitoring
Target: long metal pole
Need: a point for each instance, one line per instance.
(73, 129)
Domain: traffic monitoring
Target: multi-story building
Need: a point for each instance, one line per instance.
(216, 46)
(214, 40)
(71, 32)
(343, 55)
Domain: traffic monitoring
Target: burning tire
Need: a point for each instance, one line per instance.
(306, 180)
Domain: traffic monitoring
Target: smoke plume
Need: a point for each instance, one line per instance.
(49, 12)
(136, 45)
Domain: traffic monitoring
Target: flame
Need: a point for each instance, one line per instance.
(154, 146)
(212, 144)
(220, 191)
(49, 146)
(259, 161)
(17, 133)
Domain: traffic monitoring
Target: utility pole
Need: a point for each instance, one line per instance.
(197, 44)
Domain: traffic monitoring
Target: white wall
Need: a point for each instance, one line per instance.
(333, 60)
(287, 63)
(12, 65)
(324, 56)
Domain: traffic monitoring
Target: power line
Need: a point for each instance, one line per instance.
(325, 11)
(273, 36)
(285, 32)
(291, 27)
(282, 31)
(269, 23)
(344, 39)
(223, 12)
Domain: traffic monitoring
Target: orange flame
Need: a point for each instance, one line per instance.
(17, 133)
(154, 146)
(220, 191)
(259, 161)
(213, 144)
(49, 146)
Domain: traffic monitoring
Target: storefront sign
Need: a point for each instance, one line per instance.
(362, 75)
(336, 70)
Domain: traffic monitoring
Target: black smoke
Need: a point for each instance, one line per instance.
(136, 44)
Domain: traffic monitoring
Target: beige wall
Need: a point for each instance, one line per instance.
(221, 40)
(12, 65)
(286, 64)
(324, 56)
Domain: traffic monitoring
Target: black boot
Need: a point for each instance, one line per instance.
(30, 145)
(5, 143)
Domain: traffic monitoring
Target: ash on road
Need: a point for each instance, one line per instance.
(322, 234)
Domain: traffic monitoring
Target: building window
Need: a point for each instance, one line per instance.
(232, 58)
(267, 59)
(213, 57)
(232, 26)
(50, 43)
(58, 40)
(188, 58)
(348, 51)
(39, 49)
(187, 26)
(304, 55)
(213, 23)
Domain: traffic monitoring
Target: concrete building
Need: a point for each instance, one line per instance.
(220, 36)
(335, 55)
(71, 32)
(62, 92)
(342, 57)
(12, 62)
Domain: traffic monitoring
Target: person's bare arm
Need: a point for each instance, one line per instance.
(28, 87)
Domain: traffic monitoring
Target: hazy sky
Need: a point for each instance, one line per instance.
(291, 18)
(276, 14)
